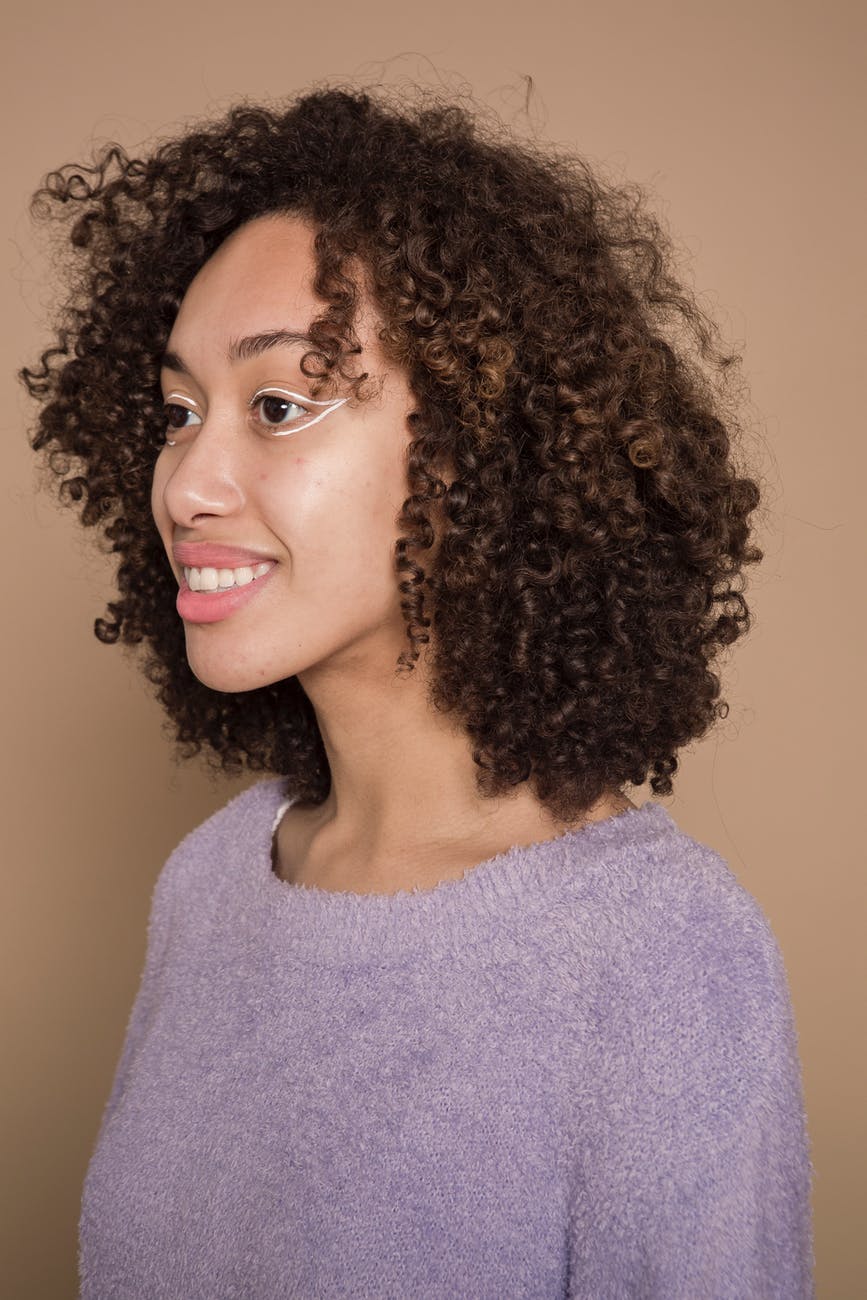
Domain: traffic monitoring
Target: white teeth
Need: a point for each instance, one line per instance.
(210, 579)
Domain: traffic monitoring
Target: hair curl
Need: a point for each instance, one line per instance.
(589, 567)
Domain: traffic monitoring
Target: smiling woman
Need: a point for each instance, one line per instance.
(426, 506)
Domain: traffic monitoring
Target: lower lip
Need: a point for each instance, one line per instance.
(211, 606)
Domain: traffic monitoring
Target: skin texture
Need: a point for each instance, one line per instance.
(403, 810)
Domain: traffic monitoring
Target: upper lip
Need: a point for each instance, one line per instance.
(201, 555)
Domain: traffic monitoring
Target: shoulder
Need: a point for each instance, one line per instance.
(670, 887)
(232, 831)
(666, 923)
(694, 984)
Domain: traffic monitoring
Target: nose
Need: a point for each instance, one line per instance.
(205, 477)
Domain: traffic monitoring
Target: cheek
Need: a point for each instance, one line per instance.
(332, 522)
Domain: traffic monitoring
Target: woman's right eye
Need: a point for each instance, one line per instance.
(176, 415)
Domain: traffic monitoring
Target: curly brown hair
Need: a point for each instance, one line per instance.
(587, 565)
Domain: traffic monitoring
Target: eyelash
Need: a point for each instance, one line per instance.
(291, 399)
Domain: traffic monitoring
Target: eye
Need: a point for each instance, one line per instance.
(176, 415)
(285, 412)
(276, 409)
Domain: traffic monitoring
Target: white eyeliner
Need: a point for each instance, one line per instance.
(329, 406)
(170, 442)
(299, 400)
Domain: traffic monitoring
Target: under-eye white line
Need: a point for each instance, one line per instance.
(329, 406)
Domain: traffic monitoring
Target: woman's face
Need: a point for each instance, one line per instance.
(264, 484)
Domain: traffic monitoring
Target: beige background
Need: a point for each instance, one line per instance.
(743, 120)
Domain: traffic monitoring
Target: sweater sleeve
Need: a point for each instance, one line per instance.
(158, 933)
(694, 1178)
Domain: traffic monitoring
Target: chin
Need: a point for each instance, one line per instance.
(227, 677)
(227, 683)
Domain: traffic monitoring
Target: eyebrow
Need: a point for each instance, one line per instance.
(252, 345)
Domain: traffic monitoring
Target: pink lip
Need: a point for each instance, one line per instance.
(211, 555)
(211, 606)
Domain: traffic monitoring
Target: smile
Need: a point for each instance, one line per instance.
(210, 579)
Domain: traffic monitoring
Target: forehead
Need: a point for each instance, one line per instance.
(260, 278)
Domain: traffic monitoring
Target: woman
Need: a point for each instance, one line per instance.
(422, 511)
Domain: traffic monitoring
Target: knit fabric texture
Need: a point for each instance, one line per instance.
(573, 1072)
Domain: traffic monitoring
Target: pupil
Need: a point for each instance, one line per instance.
(177, 416)
(274, 409)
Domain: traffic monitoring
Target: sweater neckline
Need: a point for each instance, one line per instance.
(330, 925)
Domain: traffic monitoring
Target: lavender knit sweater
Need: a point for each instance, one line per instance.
(571, 1073)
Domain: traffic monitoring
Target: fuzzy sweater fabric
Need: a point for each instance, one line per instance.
(571, 1073)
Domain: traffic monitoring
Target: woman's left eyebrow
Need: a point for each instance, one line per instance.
(253, 345)
(244, 349)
